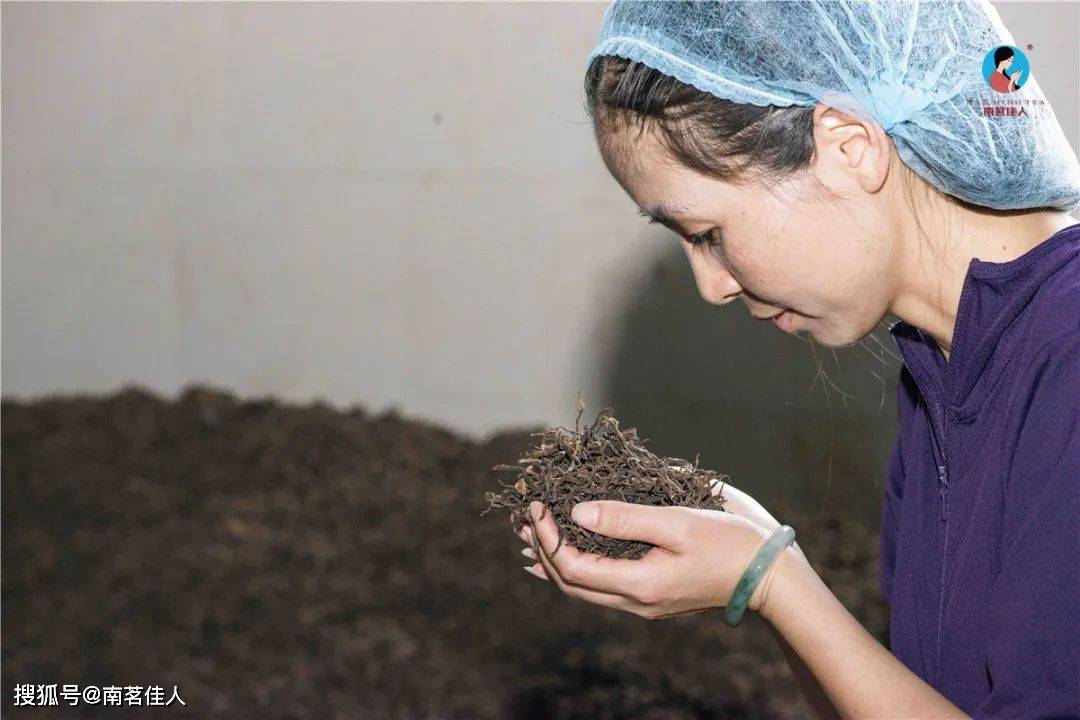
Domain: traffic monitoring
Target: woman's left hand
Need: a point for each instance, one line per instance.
(699, 557)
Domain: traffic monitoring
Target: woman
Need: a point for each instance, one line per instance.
(827, 186)
(999, 79)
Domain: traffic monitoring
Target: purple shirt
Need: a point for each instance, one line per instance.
(980, 527)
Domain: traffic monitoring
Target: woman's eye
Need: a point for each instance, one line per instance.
(703, 238)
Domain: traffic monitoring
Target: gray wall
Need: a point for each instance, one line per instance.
(396, 204)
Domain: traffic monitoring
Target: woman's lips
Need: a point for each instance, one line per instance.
(785, 321)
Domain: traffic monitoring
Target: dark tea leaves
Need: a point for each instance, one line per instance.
(601, 462)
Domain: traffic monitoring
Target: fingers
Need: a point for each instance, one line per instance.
(721, 485)
(736, 501)
(662, 526)
(594, 578)
(537, 570)
(525, 533)
(596, 597)
(739, 503)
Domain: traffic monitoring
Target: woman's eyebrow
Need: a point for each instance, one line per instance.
(662, 214)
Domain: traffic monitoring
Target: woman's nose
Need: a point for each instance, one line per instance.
(715, 284)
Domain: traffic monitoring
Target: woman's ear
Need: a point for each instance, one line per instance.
(852, 152)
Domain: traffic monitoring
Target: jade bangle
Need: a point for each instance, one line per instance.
(781, 537)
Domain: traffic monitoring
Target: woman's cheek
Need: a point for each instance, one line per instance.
(740, 268)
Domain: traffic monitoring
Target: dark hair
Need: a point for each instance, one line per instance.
(1002, 53)
(728, 141)
(721, 139)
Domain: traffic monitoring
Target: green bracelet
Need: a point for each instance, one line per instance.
(781, 537)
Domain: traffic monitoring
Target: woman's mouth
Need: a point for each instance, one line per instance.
(785, 321)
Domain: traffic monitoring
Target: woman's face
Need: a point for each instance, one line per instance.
(792, 254)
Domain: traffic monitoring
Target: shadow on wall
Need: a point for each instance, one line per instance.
(797, 425)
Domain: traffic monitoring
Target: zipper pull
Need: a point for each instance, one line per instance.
(944, 480)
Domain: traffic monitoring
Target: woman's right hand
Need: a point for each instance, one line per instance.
(738, 502)
(735, 501)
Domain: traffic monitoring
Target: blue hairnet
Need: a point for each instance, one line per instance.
(915, 68)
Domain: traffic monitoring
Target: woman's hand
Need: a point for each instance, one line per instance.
(738, 502)
(699, 556)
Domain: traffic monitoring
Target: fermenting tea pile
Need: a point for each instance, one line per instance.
(603, 462)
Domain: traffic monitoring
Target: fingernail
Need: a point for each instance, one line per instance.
(534, 573)
(535, 508)
(584, 514)
(528, 552)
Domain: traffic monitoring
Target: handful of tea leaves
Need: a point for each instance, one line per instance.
(603, 462)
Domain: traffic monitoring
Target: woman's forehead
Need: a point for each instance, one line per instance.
(651, 176)
(661, 186)
(666, 192)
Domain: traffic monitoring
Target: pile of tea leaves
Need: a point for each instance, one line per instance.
(601, 462)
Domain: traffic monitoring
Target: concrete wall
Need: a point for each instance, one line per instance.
(392, 204)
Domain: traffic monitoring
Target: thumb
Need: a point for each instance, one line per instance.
(630, 521)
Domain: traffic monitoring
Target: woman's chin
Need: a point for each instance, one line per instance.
(828, 334)
(851, 335)
(828, 331)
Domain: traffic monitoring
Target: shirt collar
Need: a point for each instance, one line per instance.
(993, 297)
